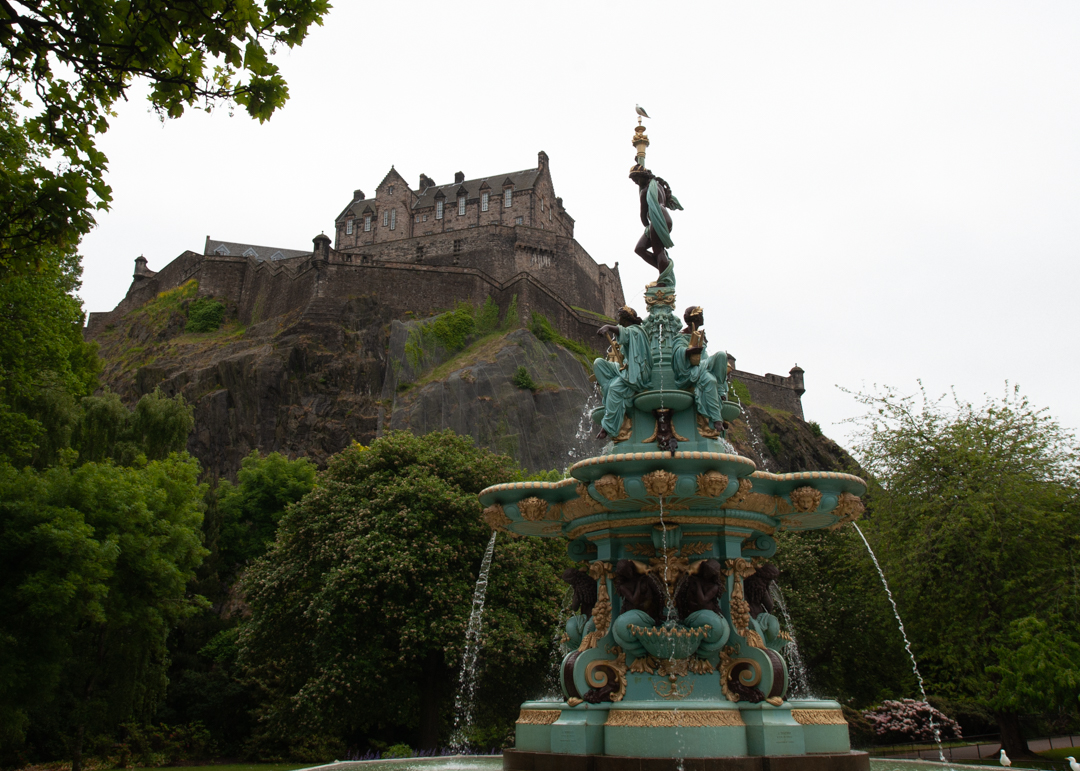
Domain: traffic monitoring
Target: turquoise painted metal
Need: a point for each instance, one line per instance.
(673, 510)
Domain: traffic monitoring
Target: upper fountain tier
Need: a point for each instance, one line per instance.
(666, 412)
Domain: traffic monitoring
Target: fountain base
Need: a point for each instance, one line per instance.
(719, 735)
(516, 760)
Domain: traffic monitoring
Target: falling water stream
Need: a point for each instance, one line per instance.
(907, 643)
(464, 701)
(800, 681)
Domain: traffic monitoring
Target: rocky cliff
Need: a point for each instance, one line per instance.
(309, 383)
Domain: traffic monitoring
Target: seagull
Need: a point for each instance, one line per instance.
(1004, 759)
(641, 111)
(1073, 764)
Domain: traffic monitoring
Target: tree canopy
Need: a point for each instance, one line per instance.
(975, 516)
(359, 608)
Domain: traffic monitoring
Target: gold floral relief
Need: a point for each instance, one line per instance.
(611, 487)
(711, 484)
(805, 499)
(669, 718)
(538, 716)
(599, 571)
(818, 716)
(533, 509)
(694, 548)
(495, 518)
(641, 549)
(660, 483)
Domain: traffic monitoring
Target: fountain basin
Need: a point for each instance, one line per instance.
(677, 642)
(663, 399)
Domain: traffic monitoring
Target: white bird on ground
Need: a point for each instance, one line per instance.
(1004, 759)
(641, 111)
(1073, 764)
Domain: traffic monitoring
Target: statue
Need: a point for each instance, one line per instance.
(694, 368)
(756, 589)
(584, 588)
(700, 589)
(639, 589)
(652, 247)
(619, 382)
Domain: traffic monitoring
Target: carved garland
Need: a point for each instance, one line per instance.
(818, 717)
(599, 571)
(538, 716)
(666, 718)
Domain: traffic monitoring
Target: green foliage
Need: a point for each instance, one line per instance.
(45, 367)
(541, 327)
(815, 428)
(976, 520)
(107, 430)
(205, 315)
(157, 312)
(359, 608)
(398, 751)
(522, 379)
(250, 509)
(95, 562)
(487, 318)
(739, 389)
(510, 320)
(66, 65)
(772, 441)
(451, 330)
(161, 745)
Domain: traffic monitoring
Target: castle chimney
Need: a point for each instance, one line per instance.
(797, 379)
(358, 195)
(426, 182)
(459, 177)
(322, 247)
(541, 159)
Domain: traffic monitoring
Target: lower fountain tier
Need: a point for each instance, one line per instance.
(725, 734)
(517, 760)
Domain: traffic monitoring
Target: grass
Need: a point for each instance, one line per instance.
(1060, 753)
(588, 312)
(483, 349)
(243, 767)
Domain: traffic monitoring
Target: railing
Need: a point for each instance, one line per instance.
(974, 748)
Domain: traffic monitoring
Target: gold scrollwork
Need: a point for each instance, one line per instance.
(660, 297)
(749, 676)
(711, 484)
(496, 518)
(596, 673)
(818, 716)
(673, 689)
(660, 483)
(611, 487)
(538, 716)
(669, 718)
(805, 499)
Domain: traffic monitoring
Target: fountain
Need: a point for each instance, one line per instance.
(673, 657)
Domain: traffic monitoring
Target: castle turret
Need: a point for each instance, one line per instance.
(141, 271)
(321, 252)
(796, 373)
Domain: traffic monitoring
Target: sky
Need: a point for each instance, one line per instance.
(879, 192)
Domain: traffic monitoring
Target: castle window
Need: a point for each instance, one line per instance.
(385, 218)
(457, 245)
(549, 215)
(249, 252)
(438, 209)
(390, 190)
(222, 250)
(541, 203)
(507, 195)
(393, 218)
(425, 218)
(419, 252)
(348, 227)
(417, 218)
(484, 201)
(460, 205)
(519, 220)
(367, 223)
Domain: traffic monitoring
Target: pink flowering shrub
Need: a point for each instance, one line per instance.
(908, 720)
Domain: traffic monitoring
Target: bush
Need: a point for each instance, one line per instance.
(522, 379)
(908, 720)
(772, 441)
(739, 390)
(205, 315)
(487, 318)
(398, 751)
(510, 320)
(815, 428)
(161, 745)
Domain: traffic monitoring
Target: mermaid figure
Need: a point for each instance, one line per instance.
(656, 198)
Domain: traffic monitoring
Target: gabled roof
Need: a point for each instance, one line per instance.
(521, 180)
(260, 253)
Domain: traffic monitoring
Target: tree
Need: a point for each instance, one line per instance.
(45, 367)
(94, 563)
(70, 63)
(359, 608)
(107, 430)
(976, 520)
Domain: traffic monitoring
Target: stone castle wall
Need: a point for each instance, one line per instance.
(784, 393)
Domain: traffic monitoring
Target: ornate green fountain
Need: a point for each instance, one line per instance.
(675, 653)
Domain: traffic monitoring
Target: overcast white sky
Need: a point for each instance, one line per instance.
(877, 191)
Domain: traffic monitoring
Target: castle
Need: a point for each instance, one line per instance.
(310, 371)
(419, 251)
